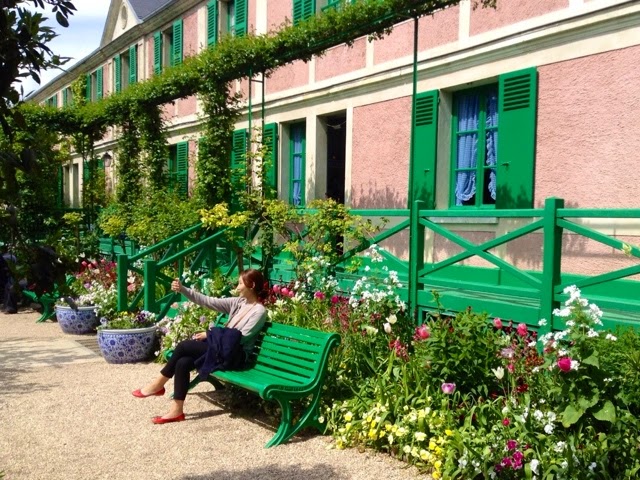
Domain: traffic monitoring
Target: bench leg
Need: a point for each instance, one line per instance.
(309, 418)
(48, 312)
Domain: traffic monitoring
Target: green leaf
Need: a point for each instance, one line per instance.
(607, 413)
(592, 360)
(571, 415)
(588, 402)
(62, 20)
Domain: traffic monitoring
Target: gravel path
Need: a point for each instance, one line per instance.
(67, 414)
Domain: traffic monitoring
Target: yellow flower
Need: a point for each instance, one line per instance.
(406, 449)
(448, 432)
(347, 426)
(381, 434)
(437, 464)
(435, 475)
(372, 434)
(390, 439)
(420, 436)
(348, 416)
(424, 455)
(439, 450)
(432, 445)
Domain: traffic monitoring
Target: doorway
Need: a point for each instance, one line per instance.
(336, 128)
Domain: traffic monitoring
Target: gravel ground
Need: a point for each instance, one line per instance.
(67, 414)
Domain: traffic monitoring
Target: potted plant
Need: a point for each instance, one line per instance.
(127, 337)
(92, 291)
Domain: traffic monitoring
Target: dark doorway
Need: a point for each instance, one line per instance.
(336, 153)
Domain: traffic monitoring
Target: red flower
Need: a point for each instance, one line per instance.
(522, 330)
(564, 364)
(421, 333)
(497, 323)
(506, 422)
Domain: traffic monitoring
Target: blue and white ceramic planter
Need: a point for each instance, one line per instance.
(127, 346)
(80, 320)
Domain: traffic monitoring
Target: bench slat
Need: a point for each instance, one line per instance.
(293, 348)
(295, 332)
(307, 365)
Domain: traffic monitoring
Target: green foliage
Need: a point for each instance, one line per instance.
(157, 215)
(128, 320)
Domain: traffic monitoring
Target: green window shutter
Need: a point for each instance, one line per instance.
(176, 53)
(133, 64)
(54, 100)
(270, 140)
(241, 17)
(99, 83)
(157, 53)
(303, 9)
(172, 167)
(100, 163)
(88, 89)
(65, 97)
(518, 92)
(423, 170)
(238, 167)
(182, 169)
(117, 73)
(212, 22)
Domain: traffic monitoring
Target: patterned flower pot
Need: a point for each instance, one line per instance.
(127, 346)
(80, 320)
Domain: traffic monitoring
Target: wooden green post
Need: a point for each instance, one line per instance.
(179, 248)
(416, 256)
(551, 265)
(123, 270)
(150, 285)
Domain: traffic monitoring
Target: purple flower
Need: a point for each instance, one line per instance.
(512, 444)
(507, 352)
(506, 462)
(448, 388)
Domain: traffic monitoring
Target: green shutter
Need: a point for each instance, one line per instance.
(117, 73)
(182, 169)
(518, 92)
(100, 163)
(303, 9)
(212, 22)
(54, 101)
(65, 97)
(238, 167)
(176, 54)
(157, 53)
(133, 64)
(270, 140)
(99, 83)
(241, 14)
(88, 89)
(423, 169)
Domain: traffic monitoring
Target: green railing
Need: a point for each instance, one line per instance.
(502, 289)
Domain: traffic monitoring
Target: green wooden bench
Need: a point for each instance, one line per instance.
(47, 300)
(289, 363)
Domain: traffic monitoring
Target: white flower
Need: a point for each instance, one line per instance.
(462, 462)
(370, 330)
(611, 337)
(575, 364)
(569, 323)
(420, 436)
(564, 312)
(392, 319)
(367, 268)
(542, 322)
(387, 327)
(538, 415)
(592, 466)
(498, 372)
(560, 446)
(534, 465)
(564, 464)
(592, 333)
(548, 428)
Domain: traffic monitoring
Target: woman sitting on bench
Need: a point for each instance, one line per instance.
(246, 314)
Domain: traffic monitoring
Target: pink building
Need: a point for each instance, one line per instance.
(514, 105)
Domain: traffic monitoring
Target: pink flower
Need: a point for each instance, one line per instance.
(511, 367)
(84, 263)
(284, 291)
(522, 330)
(512, 445)
(277, 289)
(319, 295)
(291, 293)
(421, 333)
(335, 299)
(448, 388)
(506, 462)
(506, 422)
(497, 323)
(564, 364)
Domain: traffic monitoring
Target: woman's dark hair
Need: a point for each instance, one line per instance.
(253, 279)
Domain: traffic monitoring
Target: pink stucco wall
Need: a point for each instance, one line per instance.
(190, 33)
(251, 16)
(433, 31)
(342, 59)
(444, 248)
(289, 76)
(588, 124)
(508, 12)
(380, 162)
(149, 51)
(186, 106)
(107, 79)
(277, 12)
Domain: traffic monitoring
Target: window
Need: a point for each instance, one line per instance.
(297, 154)
(95, 85)
(303, 9)
(475, 147)
(125, 68)
(67, 96)
(178, 169)
(167, 47)
(236, 15)
(492, 148)
(52, 101)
